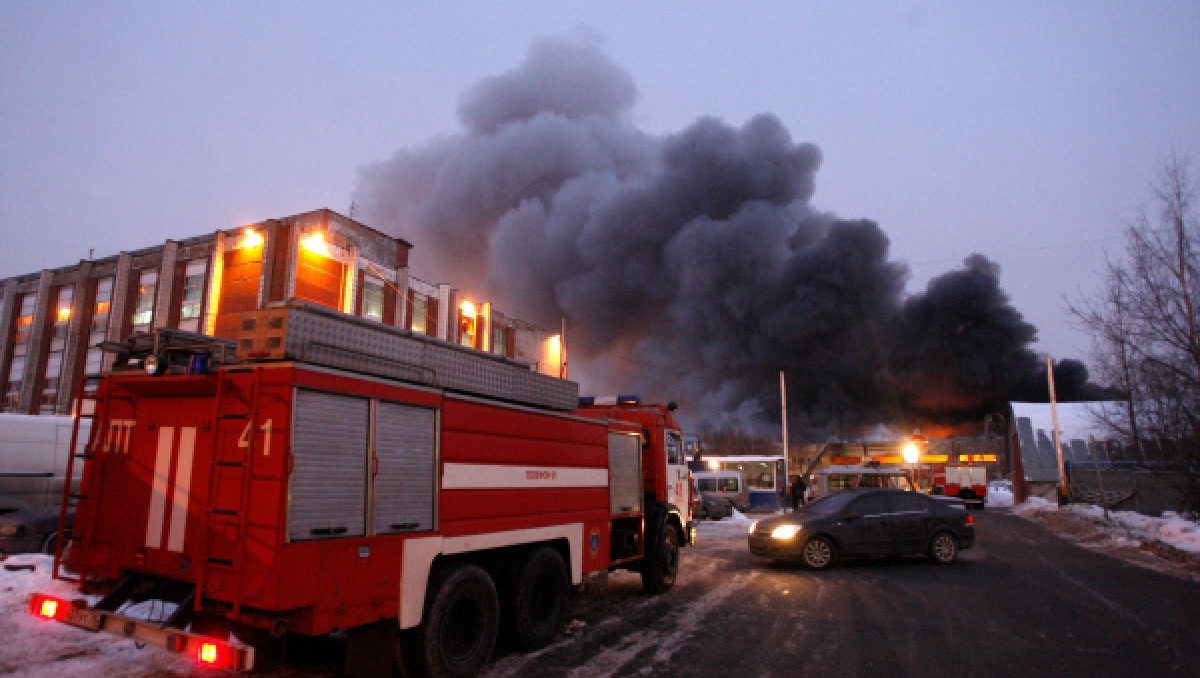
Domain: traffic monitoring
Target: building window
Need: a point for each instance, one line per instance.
(99, 330)
(499, 340)
(24, 325)
(143, 308)
(104, 289)
(420, 313)
(62, 319)
(50, 386)
(193, 295)
(16, 374)
(22, 334)
(372, 298)
(468, 322)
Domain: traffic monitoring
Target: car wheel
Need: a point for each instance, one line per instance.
(818, 553)
(943, 548)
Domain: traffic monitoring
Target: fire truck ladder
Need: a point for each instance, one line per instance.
(242, 467)
(88, 405)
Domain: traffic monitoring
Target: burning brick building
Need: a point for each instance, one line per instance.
(52, 322)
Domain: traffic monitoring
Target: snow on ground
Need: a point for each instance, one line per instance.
(37, 648)
(1123, 526)
(999, 496)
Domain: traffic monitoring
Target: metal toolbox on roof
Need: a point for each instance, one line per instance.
(296, 330)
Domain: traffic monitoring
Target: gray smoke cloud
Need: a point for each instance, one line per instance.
(689, 266)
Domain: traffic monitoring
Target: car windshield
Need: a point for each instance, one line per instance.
(831, 503)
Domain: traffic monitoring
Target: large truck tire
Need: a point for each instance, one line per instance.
(661, 564)
(461, 621)
(534, 602)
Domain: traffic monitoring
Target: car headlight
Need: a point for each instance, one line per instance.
(785, 531)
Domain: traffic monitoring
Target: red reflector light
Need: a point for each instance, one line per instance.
(209, 654)
(970, 519)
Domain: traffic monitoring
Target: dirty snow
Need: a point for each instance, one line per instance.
(37, 648)
(1124, 526)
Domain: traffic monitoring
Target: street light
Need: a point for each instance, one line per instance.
(911, 452)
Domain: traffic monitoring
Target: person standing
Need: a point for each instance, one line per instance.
(798, 488)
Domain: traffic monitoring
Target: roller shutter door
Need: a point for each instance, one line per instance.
(405, 444)
(328, 493)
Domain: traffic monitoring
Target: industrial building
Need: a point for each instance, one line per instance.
(52, 322)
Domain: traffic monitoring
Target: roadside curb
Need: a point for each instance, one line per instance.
(1169, 552)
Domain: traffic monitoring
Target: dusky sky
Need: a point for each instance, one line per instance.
(1025, 131)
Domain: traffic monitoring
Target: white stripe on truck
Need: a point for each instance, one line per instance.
(158, 488)
(504, 477)
(183, 482)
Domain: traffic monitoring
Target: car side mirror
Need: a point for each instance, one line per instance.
(851, 517)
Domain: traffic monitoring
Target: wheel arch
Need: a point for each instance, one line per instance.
(662, 513)
(490, 551)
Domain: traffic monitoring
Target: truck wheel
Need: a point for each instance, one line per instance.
(662, 562)
(534, 604)
(461, 620)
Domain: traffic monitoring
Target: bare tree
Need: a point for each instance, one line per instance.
(1145, 322)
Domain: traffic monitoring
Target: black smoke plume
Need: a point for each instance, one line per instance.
(689, 266)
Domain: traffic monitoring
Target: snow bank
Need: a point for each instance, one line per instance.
(999, 496)
(1171, 529)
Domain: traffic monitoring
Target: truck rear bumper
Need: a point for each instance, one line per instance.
(211, 652)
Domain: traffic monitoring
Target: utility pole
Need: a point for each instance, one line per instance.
(783, 406)
(1062, 471)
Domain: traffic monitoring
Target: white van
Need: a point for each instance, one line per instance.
(33, 458)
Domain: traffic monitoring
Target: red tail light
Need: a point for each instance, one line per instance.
(47, 607)
(218, 655)
(209, 654)
(970, 519)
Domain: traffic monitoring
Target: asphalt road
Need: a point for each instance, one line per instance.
(1023, 602)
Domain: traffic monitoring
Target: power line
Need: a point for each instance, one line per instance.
(1024, 250)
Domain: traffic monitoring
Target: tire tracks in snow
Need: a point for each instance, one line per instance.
(666, 640)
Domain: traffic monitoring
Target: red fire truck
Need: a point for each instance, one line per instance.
(963, 476)
(320, 484)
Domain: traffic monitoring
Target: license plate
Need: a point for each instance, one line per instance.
(84, 618)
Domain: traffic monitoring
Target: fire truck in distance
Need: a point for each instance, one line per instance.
(331, 475)
(963, 476)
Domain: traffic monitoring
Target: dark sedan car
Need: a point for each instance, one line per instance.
(30, 530)
(865, 522)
